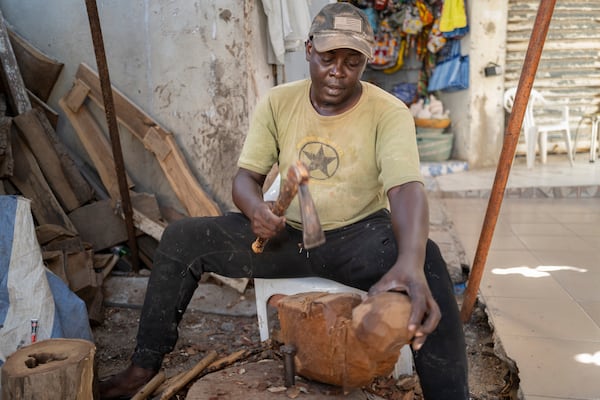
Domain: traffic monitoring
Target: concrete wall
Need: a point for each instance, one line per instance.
(477, 113)
(196, 67)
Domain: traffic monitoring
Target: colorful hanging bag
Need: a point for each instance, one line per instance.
(436, 40)
(452, 73)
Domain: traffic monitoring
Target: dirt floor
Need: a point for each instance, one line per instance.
(489, 376)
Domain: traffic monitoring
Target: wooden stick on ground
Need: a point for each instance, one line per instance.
(227, 361)
(214, 366)
(180, 382)
(150, 387)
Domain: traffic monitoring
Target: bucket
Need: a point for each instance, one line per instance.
(429, 131)
(435, 147)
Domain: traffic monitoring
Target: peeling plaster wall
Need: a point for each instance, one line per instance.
(477, 113)
(196, 67)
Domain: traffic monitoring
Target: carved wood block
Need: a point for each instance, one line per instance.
(342, 340)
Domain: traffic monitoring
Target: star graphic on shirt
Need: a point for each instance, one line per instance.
(321, 159)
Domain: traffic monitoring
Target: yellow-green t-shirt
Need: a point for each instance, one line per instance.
(353, 158)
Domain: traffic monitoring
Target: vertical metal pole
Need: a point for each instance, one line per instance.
(113, 128)
(511, 138)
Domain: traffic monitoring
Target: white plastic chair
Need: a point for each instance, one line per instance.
(594, 135)
(534, 131)
(264, 289)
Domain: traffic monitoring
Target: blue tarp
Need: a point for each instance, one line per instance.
(28, 289)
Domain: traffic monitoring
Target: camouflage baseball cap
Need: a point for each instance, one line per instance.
(342, 25)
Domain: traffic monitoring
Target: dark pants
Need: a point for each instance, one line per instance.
(356, 255)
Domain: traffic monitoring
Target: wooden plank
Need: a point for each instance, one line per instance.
(104, 263)
(185, 185)
(154, 142)
(79, 268)
(128, 114)
(28, 178)
(238, 284)
(67, 244)
(150, 227)
(101, 225)
(47, 233)
(11, 76)
(147, 246)
(94, 300)
(91, 177)
(77, 95)
(146, 215)
(146, 203)
(34, 132)
(6, 154)
(98, 225)
(83, 190)
(37, 103)
(39, 71)
(55, 262)
(172, 162)
(96, 144)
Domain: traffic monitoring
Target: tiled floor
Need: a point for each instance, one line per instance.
(541, 282)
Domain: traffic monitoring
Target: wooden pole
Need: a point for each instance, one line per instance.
(150, 387)
(511, 138)
(113, 129)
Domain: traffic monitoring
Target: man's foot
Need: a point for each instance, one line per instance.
(126, 383)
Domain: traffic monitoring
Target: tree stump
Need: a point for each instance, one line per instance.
(54, 369)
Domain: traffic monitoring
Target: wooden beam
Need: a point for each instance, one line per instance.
(11, 76)
(95, 143)
(33, 125)
(77, 95)
(157, 140)
(97, 224)
(6, 153)
(28, 178)
(39, 71)
(39, 104)
(128, 114)
(83, 190)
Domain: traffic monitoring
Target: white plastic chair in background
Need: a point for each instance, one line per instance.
(594, 134)
(264, 289)
(534, 131)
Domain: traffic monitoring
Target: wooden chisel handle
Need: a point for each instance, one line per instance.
(297, 175)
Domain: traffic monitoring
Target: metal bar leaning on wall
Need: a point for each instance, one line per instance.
(511, 139)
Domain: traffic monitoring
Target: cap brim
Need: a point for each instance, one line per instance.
(323, 43)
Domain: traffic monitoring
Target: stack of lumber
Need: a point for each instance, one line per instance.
(77, 207)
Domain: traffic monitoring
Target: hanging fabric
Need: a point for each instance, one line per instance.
(412, 23)
(288, 23)
(452, 74)
(385, 52)
(436, 40)
(453, 20)
(399, 59)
